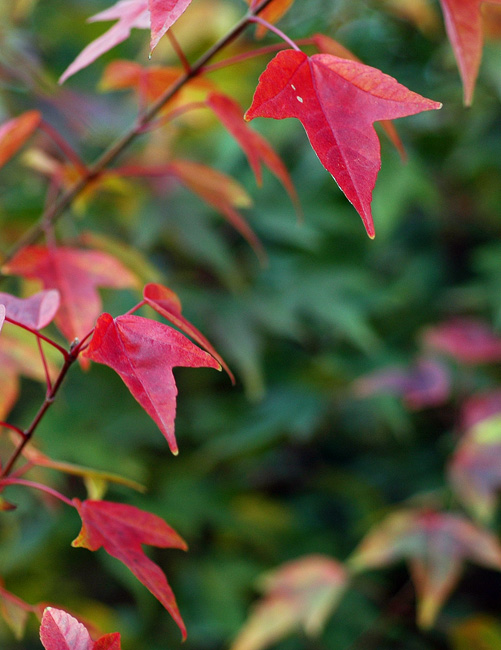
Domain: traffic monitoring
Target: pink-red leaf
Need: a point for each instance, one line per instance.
(122, 530)
(143, 352)
(337, 101)
(256, 148)
(60, 631)
(129, 14)
(35, 312)
(15, 132)
(164, 14)
(463, 22)
(466, 339)
(435, 545)
(164, 301)
(75, 273)
(2, 316)
(479, 407)
(425, 384)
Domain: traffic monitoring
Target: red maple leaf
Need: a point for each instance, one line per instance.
(463, 22)
(143, 352)
(337, 101)
(75, 273)
(121, 530)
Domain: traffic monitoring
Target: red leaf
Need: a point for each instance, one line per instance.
(129, 14)
(328, 45)
(2, 316)
(164, 14)
(75, 273)
(15, 132)
(60, 631)
(423, 385)
(143, 352)
(220, 191)
(337, 101)
(121, 530)
(164, 301)
(467, 340)
(35, 312)
(255, 147)
(463, 22)
(108, 642)
(435, 545)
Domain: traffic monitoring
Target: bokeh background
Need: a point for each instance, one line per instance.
(292, 460)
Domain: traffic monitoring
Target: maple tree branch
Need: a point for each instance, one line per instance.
(56, 209)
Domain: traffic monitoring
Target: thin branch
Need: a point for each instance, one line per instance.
(37, 486)
(275, 30)
(12, 427)
(179, 51)
(45, 366)
(64, 146)
(53, 212)
(39, 336)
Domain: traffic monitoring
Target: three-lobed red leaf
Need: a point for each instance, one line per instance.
(35, 312)
(121, 530)
(75, 273)
(143, 352)
(337, 101)
(463, 22)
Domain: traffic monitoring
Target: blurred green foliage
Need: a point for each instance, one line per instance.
(289, 461)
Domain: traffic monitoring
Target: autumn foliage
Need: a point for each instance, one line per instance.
(78, 291)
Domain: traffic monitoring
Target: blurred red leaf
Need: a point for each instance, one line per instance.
(60, 631)
(35, 312)
(463, 22)
(425, 384)
(75, 273)
(299, 594)
(220, 191)
(122, 530)
(479, 407)
(108, 642)
(337, 101)
(143, 352)
(435, 545)
(255, 147)
(15, 132)
(475, 468)
(467, 340)
(165, 302)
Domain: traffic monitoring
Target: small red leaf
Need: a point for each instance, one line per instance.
(121, 530)
(75, 273)
(143, 352)
(164, 301)
(60, 631)
(463, 22)
(35, 312)
(129, 14)
(108, 642)
(466, 339)
(15, 132)
(164, 14)
(337, 101)
(255, 147)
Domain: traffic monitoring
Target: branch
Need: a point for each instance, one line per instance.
(54, 211)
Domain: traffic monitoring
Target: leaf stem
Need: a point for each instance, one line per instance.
(56, 209)
(272, 28)
(179, 51)
(64, 146)
(39, 336)
(37, 486)
(12, 427)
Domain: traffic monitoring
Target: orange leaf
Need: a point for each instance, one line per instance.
(122, 530)
(15, 132)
